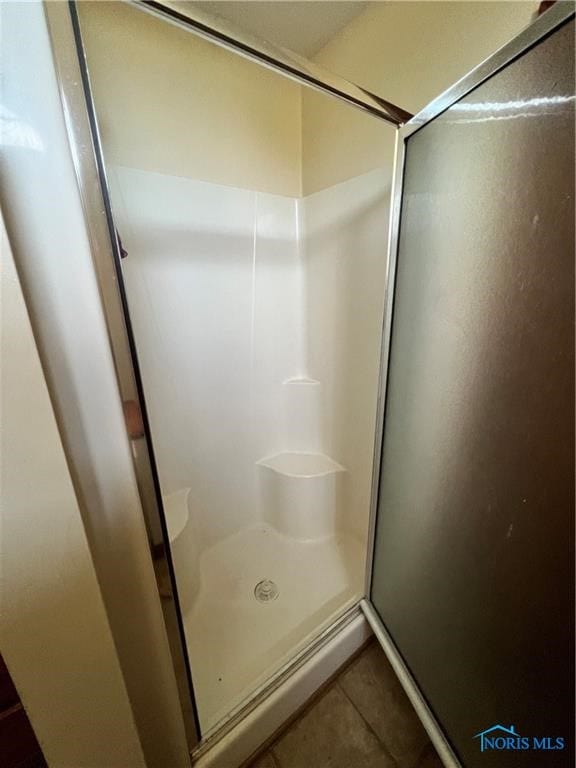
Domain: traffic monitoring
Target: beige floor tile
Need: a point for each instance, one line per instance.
(264, 761)
(430, 759)
(373, 688)
(330, 735)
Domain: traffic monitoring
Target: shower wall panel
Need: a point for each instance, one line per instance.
(214, 285)
(232, 293)
(344, 252)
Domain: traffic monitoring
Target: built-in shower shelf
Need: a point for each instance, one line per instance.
(302, 493)
(184, 546)
(300, 464)
(176, 512)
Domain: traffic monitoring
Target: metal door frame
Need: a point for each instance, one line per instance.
(84, 140)
(534, 33)
(286, 63)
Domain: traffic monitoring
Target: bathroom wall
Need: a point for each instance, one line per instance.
(172, 103)
(54, 634)
(408, 53)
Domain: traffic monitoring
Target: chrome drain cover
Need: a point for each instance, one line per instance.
(265, 591)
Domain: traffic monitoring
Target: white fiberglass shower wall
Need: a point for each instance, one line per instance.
(256, 302)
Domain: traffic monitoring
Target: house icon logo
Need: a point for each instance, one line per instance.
(498, 737)
(501, 737)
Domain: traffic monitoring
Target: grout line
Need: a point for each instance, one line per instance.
(378, 739)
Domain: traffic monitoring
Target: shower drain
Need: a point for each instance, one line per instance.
(265, 591)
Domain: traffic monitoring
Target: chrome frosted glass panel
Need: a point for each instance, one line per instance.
(474, 540)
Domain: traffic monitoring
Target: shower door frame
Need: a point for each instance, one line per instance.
(540, 28)
(84, 139)
(287, 63)
(78, 107)
(555, 17)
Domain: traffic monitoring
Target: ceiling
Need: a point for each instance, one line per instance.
(304, 26)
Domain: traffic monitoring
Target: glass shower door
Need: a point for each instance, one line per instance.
(253, 283)
(473, 555)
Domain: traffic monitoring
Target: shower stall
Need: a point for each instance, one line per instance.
(309, 418)
(254, 286)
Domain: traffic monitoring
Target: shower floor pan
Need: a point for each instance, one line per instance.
(263, 597)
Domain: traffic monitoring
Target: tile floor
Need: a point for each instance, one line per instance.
(362, 720)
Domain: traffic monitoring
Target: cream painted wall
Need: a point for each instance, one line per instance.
(407, 52)
(54, 633)
(172, 103)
